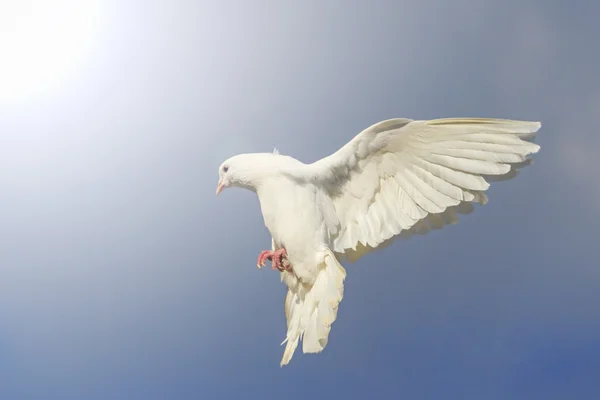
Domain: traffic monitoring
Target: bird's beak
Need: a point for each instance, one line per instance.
(220, 186)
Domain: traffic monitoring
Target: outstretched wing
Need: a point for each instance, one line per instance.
(400, 177)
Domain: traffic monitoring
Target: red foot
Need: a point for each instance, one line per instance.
(263, 257)
(277, 257)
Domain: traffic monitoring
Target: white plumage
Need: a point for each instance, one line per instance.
(396, 178)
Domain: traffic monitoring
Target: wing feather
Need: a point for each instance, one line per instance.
(402, 177)
(459, 178)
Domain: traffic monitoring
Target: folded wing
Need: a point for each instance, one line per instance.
(400, 177)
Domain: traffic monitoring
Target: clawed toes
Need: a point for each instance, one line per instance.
(275, 263)
(278, 259)
(263, 257)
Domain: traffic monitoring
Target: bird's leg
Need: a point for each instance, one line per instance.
(277, 257)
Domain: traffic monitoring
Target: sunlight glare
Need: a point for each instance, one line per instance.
(41, 43)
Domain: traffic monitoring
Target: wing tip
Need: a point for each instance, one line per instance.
(535, 125)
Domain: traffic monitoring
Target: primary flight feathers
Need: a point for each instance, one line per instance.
(399, 174)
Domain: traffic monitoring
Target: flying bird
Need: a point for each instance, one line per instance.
(396, 178)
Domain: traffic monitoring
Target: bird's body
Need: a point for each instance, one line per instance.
(288, 213)
(396, 178)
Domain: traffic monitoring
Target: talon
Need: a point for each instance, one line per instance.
(275, 263)
(263, 257)
(279, 256)
(278, 259)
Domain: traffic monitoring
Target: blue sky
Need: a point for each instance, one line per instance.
(123, 277)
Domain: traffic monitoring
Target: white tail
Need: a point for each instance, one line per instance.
(311, 309)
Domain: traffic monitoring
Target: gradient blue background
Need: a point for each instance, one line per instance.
(123, 277)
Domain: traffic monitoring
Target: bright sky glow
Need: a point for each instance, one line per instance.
(41, 44)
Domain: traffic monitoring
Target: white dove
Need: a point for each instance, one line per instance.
(394, 179)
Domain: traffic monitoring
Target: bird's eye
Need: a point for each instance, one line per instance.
(225, 168)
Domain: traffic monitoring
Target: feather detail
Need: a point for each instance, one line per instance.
(403, 177)
(312, 309)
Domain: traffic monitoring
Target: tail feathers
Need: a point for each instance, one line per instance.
(311, 310)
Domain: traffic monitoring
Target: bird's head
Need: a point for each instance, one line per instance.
(245, 171)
